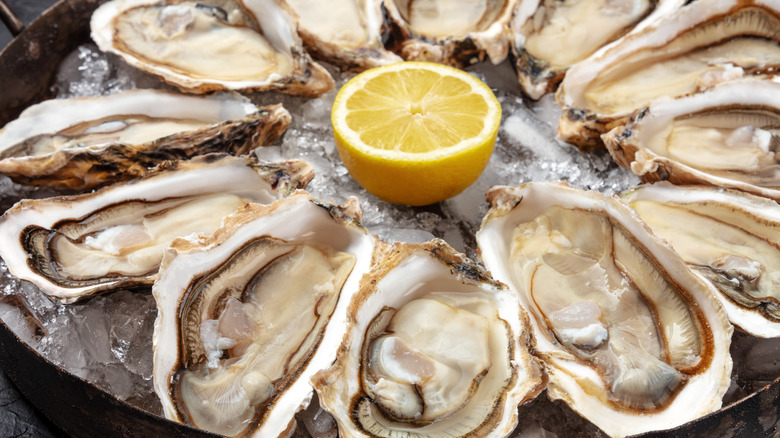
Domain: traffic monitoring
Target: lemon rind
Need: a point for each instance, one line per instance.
(352, 138)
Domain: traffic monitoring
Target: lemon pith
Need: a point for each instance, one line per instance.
(415, 133)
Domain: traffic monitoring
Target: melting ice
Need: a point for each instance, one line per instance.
(108, 339)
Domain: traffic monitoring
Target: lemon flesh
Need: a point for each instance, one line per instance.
(415, 133)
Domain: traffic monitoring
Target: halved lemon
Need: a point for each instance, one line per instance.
(415, 133)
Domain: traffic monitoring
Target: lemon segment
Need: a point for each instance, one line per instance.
(415, 133)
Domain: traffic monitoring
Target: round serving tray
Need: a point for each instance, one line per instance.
(28, 66)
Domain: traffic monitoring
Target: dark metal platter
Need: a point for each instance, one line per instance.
(27, 68)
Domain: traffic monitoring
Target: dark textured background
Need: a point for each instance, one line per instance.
(26, 10)
(17, 417)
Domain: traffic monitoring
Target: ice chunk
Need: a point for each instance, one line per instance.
(92, 327)
(89, 72)
(317, 422)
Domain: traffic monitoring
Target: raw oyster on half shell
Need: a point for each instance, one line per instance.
(728, 237)
(73, 247)
(249, 314)
(454, 32)
(689, 50)
(630, 338)
(727, 136)
(346, 33)
(86, 142)
(552, 35)
(207, 45)
(435, 348)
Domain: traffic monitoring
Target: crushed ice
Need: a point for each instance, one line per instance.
(108, 339)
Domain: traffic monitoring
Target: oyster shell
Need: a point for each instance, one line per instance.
(728, 237)
(727, 136)
(435, 348)
(552, 35)
(208, 45)
(455, 32)
(695, 47)
(346, 33)
(246, 316)
(630, 338)
(86, 142)
(73, 247)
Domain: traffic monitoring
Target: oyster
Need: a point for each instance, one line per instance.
(347, 33)
(552, 35)
(630, 338)
(73, 247)
(455, 32)
(695, 47)
(246, 316)
(436, 348)
(729, 238)
(727, 136)
(86, 142)
(207, 45)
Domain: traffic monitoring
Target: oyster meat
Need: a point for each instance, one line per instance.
(347, 33)
(455, 32)
(86, 142)
(246, 316)
(207, 45)
(728, 237)
(686, 51)
(73, 247)
(552, 35)
(435, 348)
(727, 136)
(630, 338)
